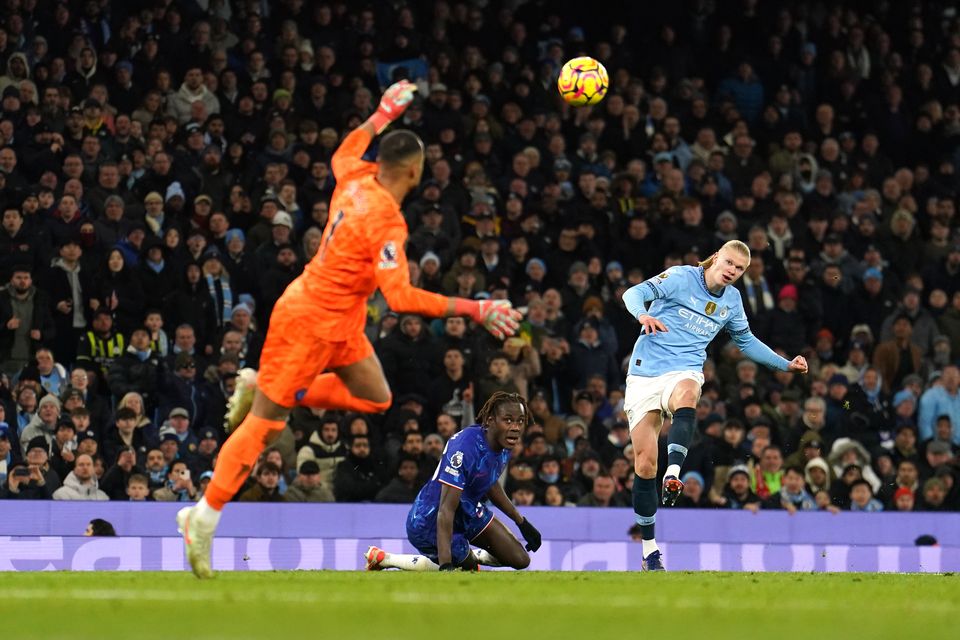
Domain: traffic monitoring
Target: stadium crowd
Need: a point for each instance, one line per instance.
(164, 174)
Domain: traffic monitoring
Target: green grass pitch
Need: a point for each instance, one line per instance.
(460, 606)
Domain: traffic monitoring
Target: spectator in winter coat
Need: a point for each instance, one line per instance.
(123, 435)
(360, 476)
(861, 497)
(308, 485)
(191, 304)
(69, 287)
(793, 496)
(183, 388)
(737, 493)
(43, 424)
(403, 488)
(498, 378)
(25, 320)
(179, 105)
(746, 91)
(588, 357)
(898, 357)
(325, 448)
(119, 289)
(924, 325)
(81, 483)
(267, 488)
(115, 481)
(405, 355)
(138, 369)
(784, 327)
(179, 485)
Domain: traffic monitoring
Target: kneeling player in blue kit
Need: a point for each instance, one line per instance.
(450, 514)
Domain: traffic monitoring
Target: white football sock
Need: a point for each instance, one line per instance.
(486, 558)
(409, 562)
(205, 515)
(672, 470)
(649, 546)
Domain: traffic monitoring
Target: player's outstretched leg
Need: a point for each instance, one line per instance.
(197, 524)
(329, 391)
(683, 399)
(644, 438)
(502, 546)
(238, 406)
(377, 559)
(487, 559)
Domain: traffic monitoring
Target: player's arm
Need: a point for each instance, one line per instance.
(636, 298)
(393, 278)
(449, 501)
(347, 161)
(753, 348)
(500, 500)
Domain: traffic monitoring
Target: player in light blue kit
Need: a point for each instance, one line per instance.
(450, 512)
(689, 306)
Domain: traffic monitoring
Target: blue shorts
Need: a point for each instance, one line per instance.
(469, 522)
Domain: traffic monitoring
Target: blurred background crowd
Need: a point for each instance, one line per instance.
(164, 174)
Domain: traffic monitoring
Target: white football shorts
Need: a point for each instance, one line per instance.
(645, 394)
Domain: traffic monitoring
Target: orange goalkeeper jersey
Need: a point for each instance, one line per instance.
(363, 248)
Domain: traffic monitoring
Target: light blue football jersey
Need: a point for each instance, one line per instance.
(693, 316)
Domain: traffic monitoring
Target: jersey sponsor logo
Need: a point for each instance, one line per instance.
(388, 256)
(710, 308)
(697, 323)
(456, 459)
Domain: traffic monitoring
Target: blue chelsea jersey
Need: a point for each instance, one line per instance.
(467, 464)
(692, 315)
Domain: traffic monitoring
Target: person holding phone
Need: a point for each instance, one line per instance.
(32, 479)
(179, 486)
(18, 479)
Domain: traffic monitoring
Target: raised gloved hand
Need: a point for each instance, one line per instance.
(497, 316)
(394, 102)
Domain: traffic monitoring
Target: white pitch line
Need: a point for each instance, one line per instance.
(618, 602)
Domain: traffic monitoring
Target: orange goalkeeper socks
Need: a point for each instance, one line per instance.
(327, 391)
(238, 456)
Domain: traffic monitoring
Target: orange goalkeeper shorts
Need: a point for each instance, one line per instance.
(293, 354)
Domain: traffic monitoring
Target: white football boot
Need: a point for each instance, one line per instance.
(197, 538)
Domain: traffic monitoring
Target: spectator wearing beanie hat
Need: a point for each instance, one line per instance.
(785, 328)
(43, 424)
(308, 485)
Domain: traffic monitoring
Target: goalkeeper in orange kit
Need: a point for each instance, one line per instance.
(316, 353)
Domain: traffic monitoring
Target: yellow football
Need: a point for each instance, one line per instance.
(583, 81)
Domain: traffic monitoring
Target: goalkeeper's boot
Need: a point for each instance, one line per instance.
(197, 538)
(374, 556)
(654, 562)
(672, 488)
(238, 406)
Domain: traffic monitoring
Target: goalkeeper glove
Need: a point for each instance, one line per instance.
(394, 102)
(497, 316)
